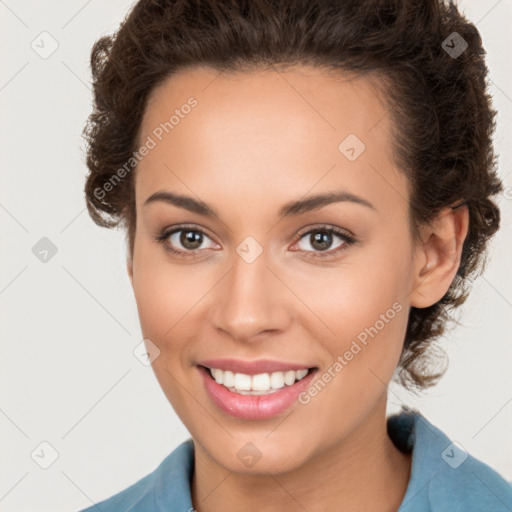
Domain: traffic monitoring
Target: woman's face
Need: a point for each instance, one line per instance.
(260, 280)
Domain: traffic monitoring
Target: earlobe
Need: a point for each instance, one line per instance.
(438, 256)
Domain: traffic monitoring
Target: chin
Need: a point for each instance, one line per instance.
(256, 455)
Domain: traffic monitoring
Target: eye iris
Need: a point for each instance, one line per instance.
(323, 239)
(191, 239)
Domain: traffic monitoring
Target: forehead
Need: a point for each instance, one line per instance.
(307, 101)
(265, 131)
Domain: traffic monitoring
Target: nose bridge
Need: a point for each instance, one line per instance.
(250, 300)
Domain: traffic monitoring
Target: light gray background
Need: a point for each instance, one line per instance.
(68, 375)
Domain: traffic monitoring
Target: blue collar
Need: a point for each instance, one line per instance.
(444, 477)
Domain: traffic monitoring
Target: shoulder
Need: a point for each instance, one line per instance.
(167, 485)
(444, 476)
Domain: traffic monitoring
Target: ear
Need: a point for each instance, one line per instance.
(438, 256)
(129, 268)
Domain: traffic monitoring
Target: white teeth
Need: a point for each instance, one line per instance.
(228, 378)
(301, 374)
(289, 378)
(277, 380)
(260, 384)
(242, 382)
(217, 375)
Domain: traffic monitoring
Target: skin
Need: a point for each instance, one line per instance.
(255, 141)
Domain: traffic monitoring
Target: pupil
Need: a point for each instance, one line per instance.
(191, 239)
(322, 240)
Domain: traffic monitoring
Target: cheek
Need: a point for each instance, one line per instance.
(164, 292)
(366, 324)
(354, 295)
(164, 297)
(363, 310)
(361, 358)
(154, 297)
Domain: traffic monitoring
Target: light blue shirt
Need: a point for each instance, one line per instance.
(444, 477)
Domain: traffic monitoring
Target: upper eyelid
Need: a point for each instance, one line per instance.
(177, 229)
(328, 227)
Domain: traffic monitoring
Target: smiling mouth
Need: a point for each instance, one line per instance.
(258, 384)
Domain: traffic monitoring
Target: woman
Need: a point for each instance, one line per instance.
(307, 189)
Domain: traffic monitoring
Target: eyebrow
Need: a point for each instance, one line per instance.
(290, 209)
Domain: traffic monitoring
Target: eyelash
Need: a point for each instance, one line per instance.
(348, 239)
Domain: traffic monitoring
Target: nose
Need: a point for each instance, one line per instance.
(251, 301)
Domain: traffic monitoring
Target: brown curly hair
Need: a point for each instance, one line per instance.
(442, 115)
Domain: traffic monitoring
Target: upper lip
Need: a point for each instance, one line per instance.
(253, 367)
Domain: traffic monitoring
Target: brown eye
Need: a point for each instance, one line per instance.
(321, 240)
(324, 241)
(185, 241)
(190, 239)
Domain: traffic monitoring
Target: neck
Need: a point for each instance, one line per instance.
(363, 472)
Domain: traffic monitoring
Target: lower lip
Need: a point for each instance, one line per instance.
(253, 407)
